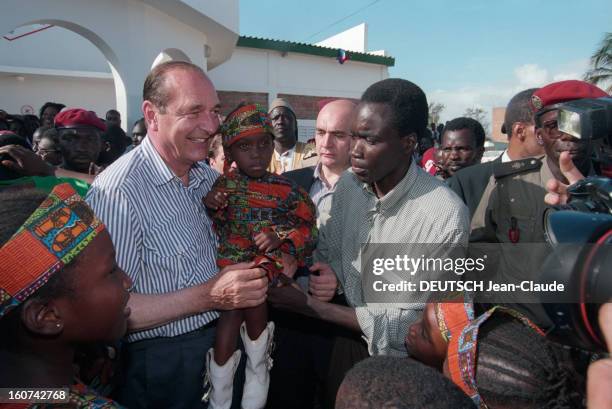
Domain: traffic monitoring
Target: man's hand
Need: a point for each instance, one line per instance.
(599, 376)
(24, 161)
(290, 264)
(323, 285)
(267, 241)
(557, 191)
(239, 286)
(290, 297)
(215, 199)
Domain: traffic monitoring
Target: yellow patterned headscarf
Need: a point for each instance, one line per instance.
(58, 230)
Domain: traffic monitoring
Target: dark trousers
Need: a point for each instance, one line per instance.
(311, 358)
(348, 349)
(301, 356)
(167, 373)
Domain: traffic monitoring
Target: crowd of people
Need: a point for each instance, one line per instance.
(214, 260)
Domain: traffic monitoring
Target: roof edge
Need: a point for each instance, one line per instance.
(303, 48)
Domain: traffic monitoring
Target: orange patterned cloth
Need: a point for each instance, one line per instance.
(463, 351)
(58, 230)
(453, 316)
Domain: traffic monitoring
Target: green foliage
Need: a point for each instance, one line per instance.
(600, 72)
(435, 109)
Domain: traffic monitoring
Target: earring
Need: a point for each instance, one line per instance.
(58, 325)
(540, 141)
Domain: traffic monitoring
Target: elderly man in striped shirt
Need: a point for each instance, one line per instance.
(150, 200)
(384, 198)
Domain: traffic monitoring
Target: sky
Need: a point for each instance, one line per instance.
(462, 53)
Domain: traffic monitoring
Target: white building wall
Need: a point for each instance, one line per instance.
(256, 70)
(54, 48)
(129, 33)
(353, 39)
(61, 65)
(225, 12)
(247, 71)
(34, 90)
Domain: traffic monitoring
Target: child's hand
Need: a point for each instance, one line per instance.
(267, 241)
(215, 199)
(290, 264)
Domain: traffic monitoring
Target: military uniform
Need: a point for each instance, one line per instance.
(511, 212)
(512, 206)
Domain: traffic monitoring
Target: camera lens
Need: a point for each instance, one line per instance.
(582, 261)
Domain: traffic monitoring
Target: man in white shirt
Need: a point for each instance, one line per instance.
(520, 128)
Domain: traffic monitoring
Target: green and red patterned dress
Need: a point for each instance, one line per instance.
(270, 203)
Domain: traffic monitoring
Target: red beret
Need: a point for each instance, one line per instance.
(564, 91)
(77, 117)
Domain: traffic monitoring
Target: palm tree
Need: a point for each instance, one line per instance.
(601, 65)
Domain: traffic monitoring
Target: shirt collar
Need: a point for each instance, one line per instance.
(287, 154)
(161, 173)
(317, 172)
(398, 192)
(505, 157)
(317, 176)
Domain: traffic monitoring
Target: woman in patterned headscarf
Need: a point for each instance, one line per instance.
(60, 287)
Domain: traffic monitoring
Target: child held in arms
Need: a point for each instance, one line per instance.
(262, 217)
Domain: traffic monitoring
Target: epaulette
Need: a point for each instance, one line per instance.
(309, 150)
(514, 167)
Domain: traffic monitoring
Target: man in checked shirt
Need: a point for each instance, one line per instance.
(384, 198)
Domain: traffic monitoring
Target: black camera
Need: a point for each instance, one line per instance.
(581, 234)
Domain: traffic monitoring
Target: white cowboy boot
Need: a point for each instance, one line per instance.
(220, 380)
(258, 367)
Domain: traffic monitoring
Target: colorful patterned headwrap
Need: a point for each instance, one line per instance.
(453, 317)
(61, 227)
(463, 348)
(245, 121)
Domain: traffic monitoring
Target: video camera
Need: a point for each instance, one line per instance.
(581, 234)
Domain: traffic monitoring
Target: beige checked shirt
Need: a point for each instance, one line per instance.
(420, 209)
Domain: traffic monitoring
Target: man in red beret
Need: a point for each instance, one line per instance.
(545, 102)
(512, 207)
(80, 138)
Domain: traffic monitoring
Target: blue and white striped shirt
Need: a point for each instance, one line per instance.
(162, 234)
